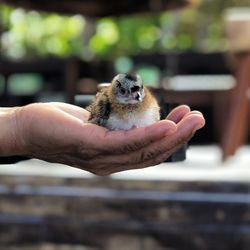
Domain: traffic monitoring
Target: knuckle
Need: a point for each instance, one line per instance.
(158, 160)
(87, 153)
(131, 147)
(147, 155)
(162, 158)
(128, 148)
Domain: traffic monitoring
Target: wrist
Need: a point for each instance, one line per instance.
(11, 142)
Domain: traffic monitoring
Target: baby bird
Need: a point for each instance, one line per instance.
(125, 104)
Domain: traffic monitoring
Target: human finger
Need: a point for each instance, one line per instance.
(163, 149)
(120, 142)
(73, 110)
(178, 113)
(186, 129)
(157, 151)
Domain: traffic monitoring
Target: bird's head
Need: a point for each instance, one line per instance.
(128, 89)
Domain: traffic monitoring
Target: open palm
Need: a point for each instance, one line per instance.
(59, 132)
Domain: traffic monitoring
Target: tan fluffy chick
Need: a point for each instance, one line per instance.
(125, 104)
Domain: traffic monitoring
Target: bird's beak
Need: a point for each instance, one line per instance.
(137, 96)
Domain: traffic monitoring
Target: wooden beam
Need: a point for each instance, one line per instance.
(236, 126)
(99, 8)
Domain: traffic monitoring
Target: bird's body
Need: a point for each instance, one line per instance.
(123, 105)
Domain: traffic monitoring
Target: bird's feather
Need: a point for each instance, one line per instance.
(100, 109)
(108, 111)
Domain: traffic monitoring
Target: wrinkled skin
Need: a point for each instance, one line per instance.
(58, 132)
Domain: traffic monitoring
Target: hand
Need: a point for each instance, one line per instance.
(58, 132)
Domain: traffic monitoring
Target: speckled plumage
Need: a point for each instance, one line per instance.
(116, 111)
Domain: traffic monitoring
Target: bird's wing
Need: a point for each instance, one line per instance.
(95, 101)
(100, 109)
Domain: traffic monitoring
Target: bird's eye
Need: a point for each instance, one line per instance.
(135, 88)
(122, 90)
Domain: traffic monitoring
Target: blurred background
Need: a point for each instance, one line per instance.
(193, 52)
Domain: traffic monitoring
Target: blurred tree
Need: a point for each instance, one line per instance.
(30, 33)
(125, 35)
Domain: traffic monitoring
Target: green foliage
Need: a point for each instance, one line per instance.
(124, 36)
(30, 33)
(107, 35)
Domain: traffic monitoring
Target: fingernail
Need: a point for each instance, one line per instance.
(199, 126)
(196, 112)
